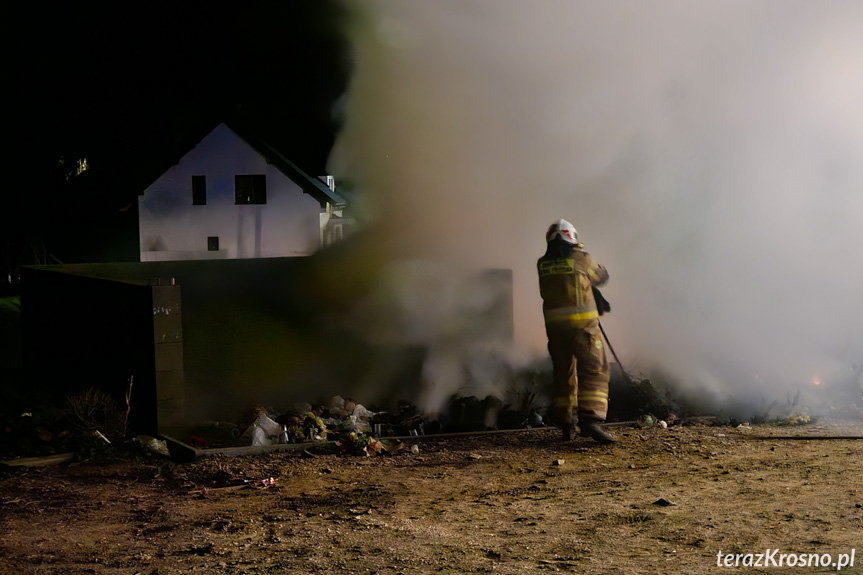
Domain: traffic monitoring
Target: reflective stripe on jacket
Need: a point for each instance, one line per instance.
(565, 286)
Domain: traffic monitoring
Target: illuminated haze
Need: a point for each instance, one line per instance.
(710, 154)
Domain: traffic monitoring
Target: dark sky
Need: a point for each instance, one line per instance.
(123, 84)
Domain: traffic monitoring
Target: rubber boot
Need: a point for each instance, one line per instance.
(593, 430)
(570, 430)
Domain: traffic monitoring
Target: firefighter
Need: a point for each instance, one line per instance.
(567, 275)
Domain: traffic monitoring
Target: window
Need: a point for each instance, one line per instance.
(250, 189)
(199, 190)
(213, 243)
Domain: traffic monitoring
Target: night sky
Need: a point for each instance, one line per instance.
(125, 85)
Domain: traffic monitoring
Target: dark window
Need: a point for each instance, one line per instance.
(199, 190)
(250, 189)
(213, 243)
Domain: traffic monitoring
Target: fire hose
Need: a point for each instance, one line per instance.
(614, 354)
(603, 306)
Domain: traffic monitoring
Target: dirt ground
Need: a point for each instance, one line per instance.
(519, 502)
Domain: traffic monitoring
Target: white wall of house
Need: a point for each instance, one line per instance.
(172, 228)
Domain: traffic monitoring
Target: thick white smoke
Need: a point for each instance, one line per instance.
(710, 154)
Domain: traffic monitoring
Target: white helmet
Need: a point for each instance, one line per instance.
(562, 229)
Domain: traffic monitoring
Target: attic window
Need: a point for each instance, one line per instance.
(199, 190)
(250, 189)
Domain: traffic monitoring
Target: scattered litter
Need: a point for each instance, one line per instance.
(101, 436)
(662, 502)
(663, 424)
(264, 431)
(646, 421)
(474, 456)
(415, 449)
(197, 441)
(376, 446)
(314, 427)
(533, 420)
(558, 462)
(797, 417)
(153, 445)
(246, 484)
(360, 444)
(361, 412)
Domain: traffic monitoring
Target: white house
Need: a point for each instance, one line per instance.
(235, 196)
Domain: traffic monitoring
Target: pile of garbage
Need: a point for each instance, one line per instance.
(352, 424)
(87, 425)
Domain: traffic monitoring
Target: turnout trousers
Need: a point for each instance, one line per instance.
(581, 373)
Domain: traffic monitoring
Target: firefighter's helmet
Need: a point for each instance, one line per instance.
(562, 229)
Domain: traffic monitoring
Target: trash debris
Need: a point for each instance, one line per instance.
(662, 502)
(533, 420)
(361, 412)
(98, 434)
(663, 424)
(796, 417)
(415, 449)
(558, 462)
(259, 437)
(153, 445)
(314, 427)
(197, 441)
(205, 492)
(647, 421)
(360, 444)
(336, 407)
(264, 431)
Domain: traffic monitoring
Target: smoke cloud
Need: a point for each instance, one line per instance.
(709, 153)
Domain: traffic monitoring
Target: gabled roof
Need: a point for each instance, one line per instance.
(309, 184)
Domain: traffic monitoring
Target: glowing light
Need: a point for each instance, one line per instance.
(816, 381)
(79, 168)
